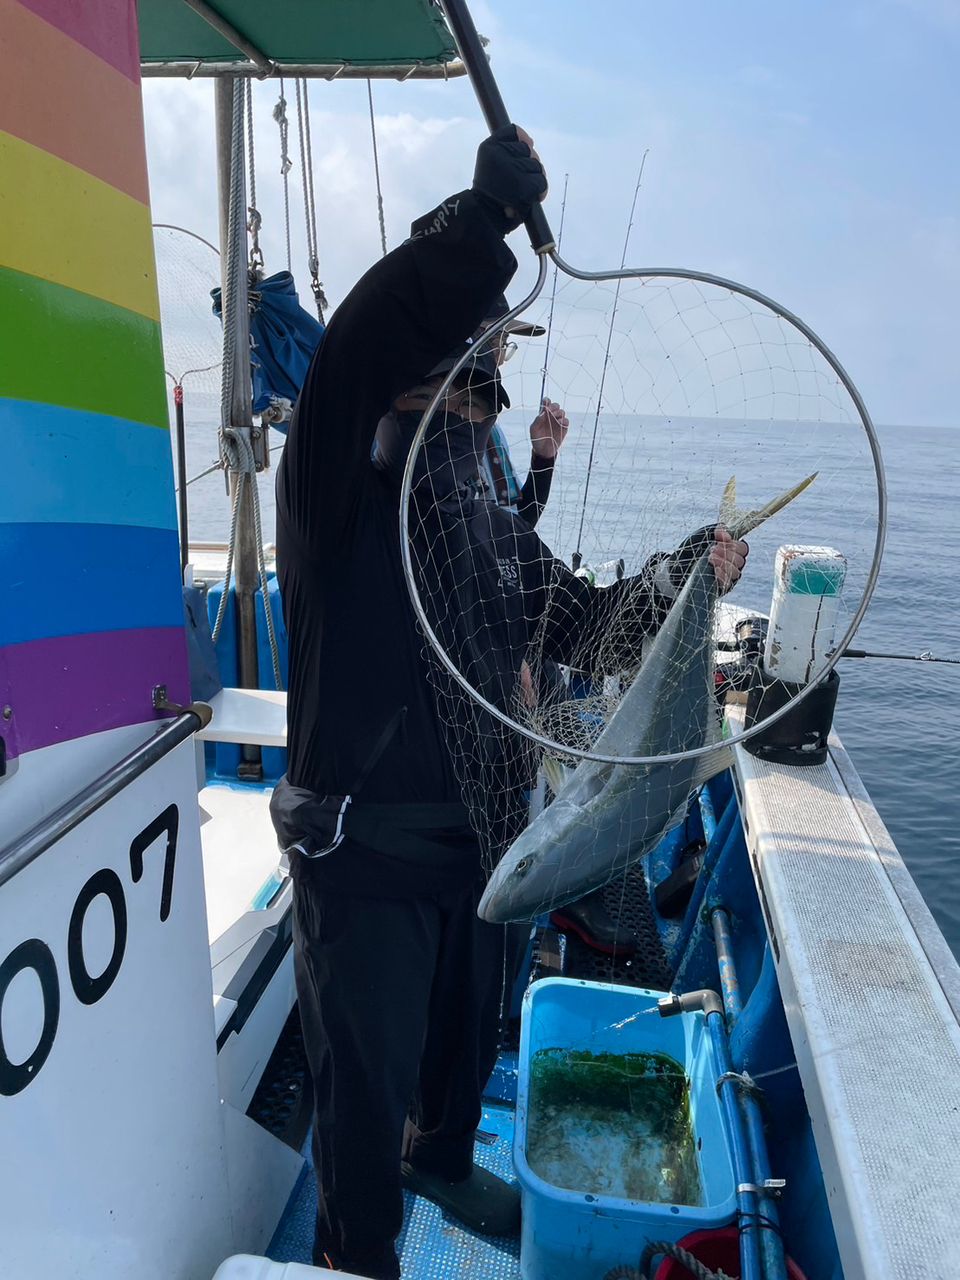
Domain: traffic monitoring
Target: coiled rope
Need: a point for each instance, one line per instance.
(242, 462)
(648, 1266)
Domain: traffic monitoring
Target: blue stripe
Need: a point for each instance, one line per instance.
(77, 467)
(74, 579)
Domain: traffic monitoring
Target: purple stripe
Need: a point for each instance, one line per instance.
(71, 686)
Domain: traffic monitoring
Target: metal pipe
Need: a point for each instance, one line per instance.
(197, 70)
(771, 1245)
(238, 414)
(491, 103)
(54, 826)
(231, 34)
(708, 814)
(710, 1004)
(181, 457)
(732, 1001)
(725, 834)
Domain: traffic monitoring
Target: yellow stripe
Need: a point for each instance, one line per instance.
(63, 225)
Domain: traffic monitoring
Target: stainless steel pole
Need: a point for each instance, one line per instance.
(238, 414)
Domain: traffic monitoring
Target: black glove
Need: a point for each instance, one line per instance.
(507, 174)
(689, 552)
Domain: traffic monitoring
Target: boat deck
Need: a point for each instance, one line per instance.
(872, 997)
(431, 1245)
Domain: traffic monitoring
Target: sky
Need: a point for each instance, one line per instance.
(809, 150)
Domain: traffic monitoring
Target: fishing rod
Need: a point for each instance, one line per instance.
(577, 558)
(553, 295)
(925, 656)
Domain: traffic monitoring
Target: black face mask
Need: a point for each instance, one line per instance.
(448, 458)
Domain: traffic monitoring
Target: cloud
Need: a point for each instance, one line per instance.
(742, 180)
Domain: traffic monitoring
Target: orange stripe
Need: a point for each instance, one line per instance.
(62, 98)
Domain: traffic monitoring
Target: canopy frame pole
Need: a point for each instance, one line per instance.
(230, 33)
(305, 71)
(237, 407)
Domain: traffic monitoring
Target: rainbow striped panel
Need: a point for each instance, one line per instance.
(93, 614)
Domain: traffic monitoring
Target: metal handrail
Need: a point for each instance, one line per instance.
(45, 833)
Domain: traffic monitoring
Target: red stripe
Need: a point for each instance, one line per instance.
(71, 686)
(107, 28)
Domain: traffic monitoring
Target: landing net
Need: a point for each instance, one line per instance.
(672, 386)
(188, 268)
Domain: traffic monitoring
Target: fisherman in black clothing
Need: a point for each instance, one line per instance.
(400, 986)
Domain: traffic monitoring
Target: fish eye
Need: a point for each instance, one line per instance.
(521, 867)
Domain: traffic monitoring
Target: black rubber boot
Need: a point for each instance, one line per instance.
(590, 920)
(482, 1202)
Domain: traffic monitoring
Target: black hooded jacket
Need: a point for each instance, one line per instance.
(356, 654)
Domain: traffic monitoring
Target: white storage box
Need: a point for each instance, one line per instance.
(245, 1267)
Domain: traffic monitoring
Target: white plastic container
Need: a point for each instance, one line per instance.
(244, 1266)
(807, 591)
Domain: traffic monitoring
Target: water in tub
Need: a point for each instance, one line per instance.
(613, 1125)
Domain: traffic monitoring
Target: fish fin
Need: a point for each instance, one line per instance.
(555, 773)
(743, 522)
(728, 503)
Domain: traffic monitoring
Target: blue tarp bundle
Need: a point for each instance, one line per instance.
(283, 338)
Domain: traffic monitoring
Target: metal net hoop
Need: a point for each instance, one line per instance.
(567, 750)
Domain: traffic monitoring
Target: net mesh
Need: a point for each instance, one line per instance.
(672, 386)
(188, 268)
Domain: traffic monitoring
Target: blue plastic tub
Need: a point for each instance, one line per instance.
(580, 1235)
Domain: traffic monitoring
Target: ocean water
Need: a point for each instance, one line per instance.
(900, 721)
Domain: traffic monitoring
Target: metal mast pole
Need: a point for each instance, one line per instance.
(236, 408)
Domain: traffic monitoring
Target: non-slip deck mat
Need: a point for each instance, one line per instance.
(627, 899)
(432, 1246)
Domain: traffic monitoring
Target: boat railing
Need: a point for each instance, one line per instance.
(54, 826)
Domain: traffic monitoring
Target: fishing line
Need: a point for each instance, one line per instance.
(553, 294)
(577, 555)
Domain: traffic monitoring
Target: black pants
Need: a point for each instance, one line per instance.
(402, 1002)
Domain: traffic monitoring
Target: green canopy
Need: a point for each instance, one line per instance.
(328, 38)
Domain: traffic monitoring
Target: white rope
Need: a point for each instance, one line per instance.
(309, 195)
(286, 164)
(236, 450)
(231, 543)
(376, 169)
(235, 208)
(254, 219)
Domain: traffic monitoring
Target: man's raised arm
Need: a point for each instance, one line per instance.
(400, 319)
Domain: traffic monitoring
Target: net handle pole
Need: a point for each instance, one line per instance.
(181, 461)
(491, 103)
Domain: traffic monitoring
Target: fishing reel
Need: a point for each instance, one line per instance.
(798, 738)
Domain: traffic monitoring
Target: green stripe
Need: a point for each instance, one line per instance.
(64, 347)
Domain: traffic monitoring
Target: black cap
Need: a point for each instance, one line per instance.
(480, 370)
